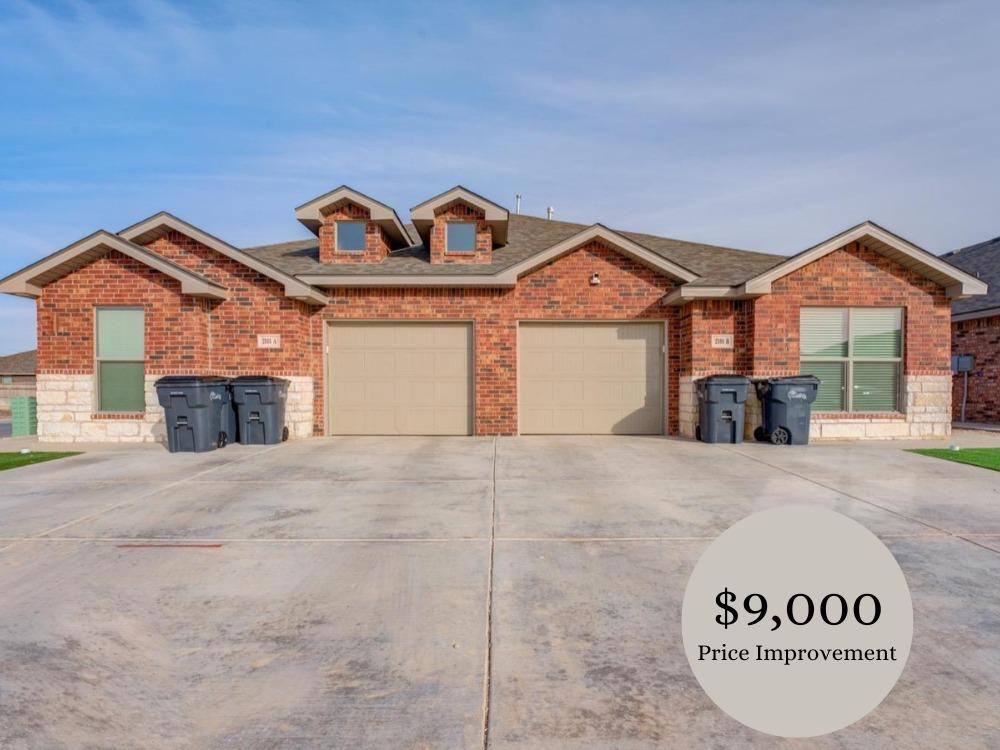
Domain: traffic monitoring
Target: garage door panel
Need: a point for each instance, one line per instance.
(406, 378)
(591, 378)
(450, 364)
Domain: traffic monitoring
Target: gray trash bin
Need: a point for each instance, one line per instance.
(721, 408)
(260, 409)
(198, 410)
(786, 404)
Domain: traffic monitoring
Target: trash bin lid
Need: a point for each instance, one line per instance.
(257, 380)
(188, 381)
(725, 380)
(793, 380)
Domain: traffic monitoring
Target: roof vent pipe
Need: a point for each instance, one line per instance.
(549, 211)
(517, 203)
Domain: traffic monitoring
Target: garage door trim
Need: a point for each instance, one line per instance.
(330, 322)
(664, 357)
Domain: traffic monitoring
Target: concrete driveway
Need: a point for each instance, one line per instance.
(403, 592)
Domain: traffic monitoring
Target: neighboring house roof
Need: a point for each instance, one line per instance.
(528, 236)
(28, 282)
(982, 261)
(22, 363)
(159, 224)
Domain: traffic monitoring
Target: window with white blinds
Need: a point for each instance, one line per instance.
(857, 354)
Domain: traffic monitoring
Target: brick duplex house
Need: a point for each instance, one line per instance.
(473, 320)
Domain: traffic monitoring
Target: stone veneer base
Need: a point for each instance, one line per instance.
(927, 414)
(66, 412)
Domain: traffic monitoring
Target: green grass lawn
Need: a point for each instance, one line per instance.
(14, 460)
(987, 458)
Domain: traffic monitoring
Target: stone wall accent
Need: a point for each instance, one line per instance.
(927, 415)
(687, 406)
(299, 407)
(979, 337)
(66, 412)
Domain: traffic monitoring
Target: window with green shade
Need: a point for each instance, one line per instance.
(857, 354)
(120, 359)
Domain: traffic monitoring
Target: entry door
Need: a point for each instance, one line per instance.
(591, 378)
(400, 378)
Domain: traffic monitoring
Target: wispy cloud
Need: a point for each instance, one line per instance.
(766, 125)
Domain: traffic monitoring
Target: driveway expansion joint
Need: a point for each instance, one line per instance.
(912, 519)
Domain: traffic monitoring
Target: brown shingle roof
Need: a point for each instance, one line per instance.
(527, 236)
(983, 262)
(22, 363)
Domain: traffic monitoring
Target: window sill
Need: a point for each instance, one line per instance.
(894, 416)
(97, 415)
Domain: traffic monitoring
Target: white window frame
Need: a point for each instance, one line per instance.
(336, 233)
(475, 236)
(849, 361)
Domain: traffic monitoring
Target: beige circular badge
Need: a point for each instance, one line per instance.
(797, 621)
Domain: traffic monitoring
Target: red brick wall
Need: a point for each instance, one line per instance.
(176, 324)
(459, 211)
(700, 319)
(256, 305)
(560, 290)
(853, 276)
(376, 242)
(183, 333)
(980, 338)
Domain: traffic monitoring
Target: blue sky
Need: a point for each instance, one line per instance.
(764, 125)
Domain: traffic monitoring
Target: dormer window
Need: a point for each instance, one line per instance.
(461, 237)
(350, 236)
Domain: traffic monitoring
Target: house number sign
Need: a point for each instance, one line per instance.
(722, 341)
(268, 340)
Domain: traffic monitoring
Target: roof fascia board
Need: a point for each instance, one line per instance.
(310, 213)
(493, 211)
(356, 280)
(293, 287)
(21, 284)
(975, 314)
(684, 294)
(608, 236)
(964, 285)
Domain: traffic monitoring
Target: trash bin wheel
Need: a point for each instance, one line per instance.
(780, 436)
(284, 434)
(759, 435)
(697, 432)
(223, 440)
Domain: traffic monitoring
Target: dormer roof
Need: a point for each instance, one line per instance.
(311, 213)
(495, 215)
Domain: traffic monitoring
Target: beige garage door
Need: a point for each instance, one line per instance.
(591, 378)
(400, 378)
